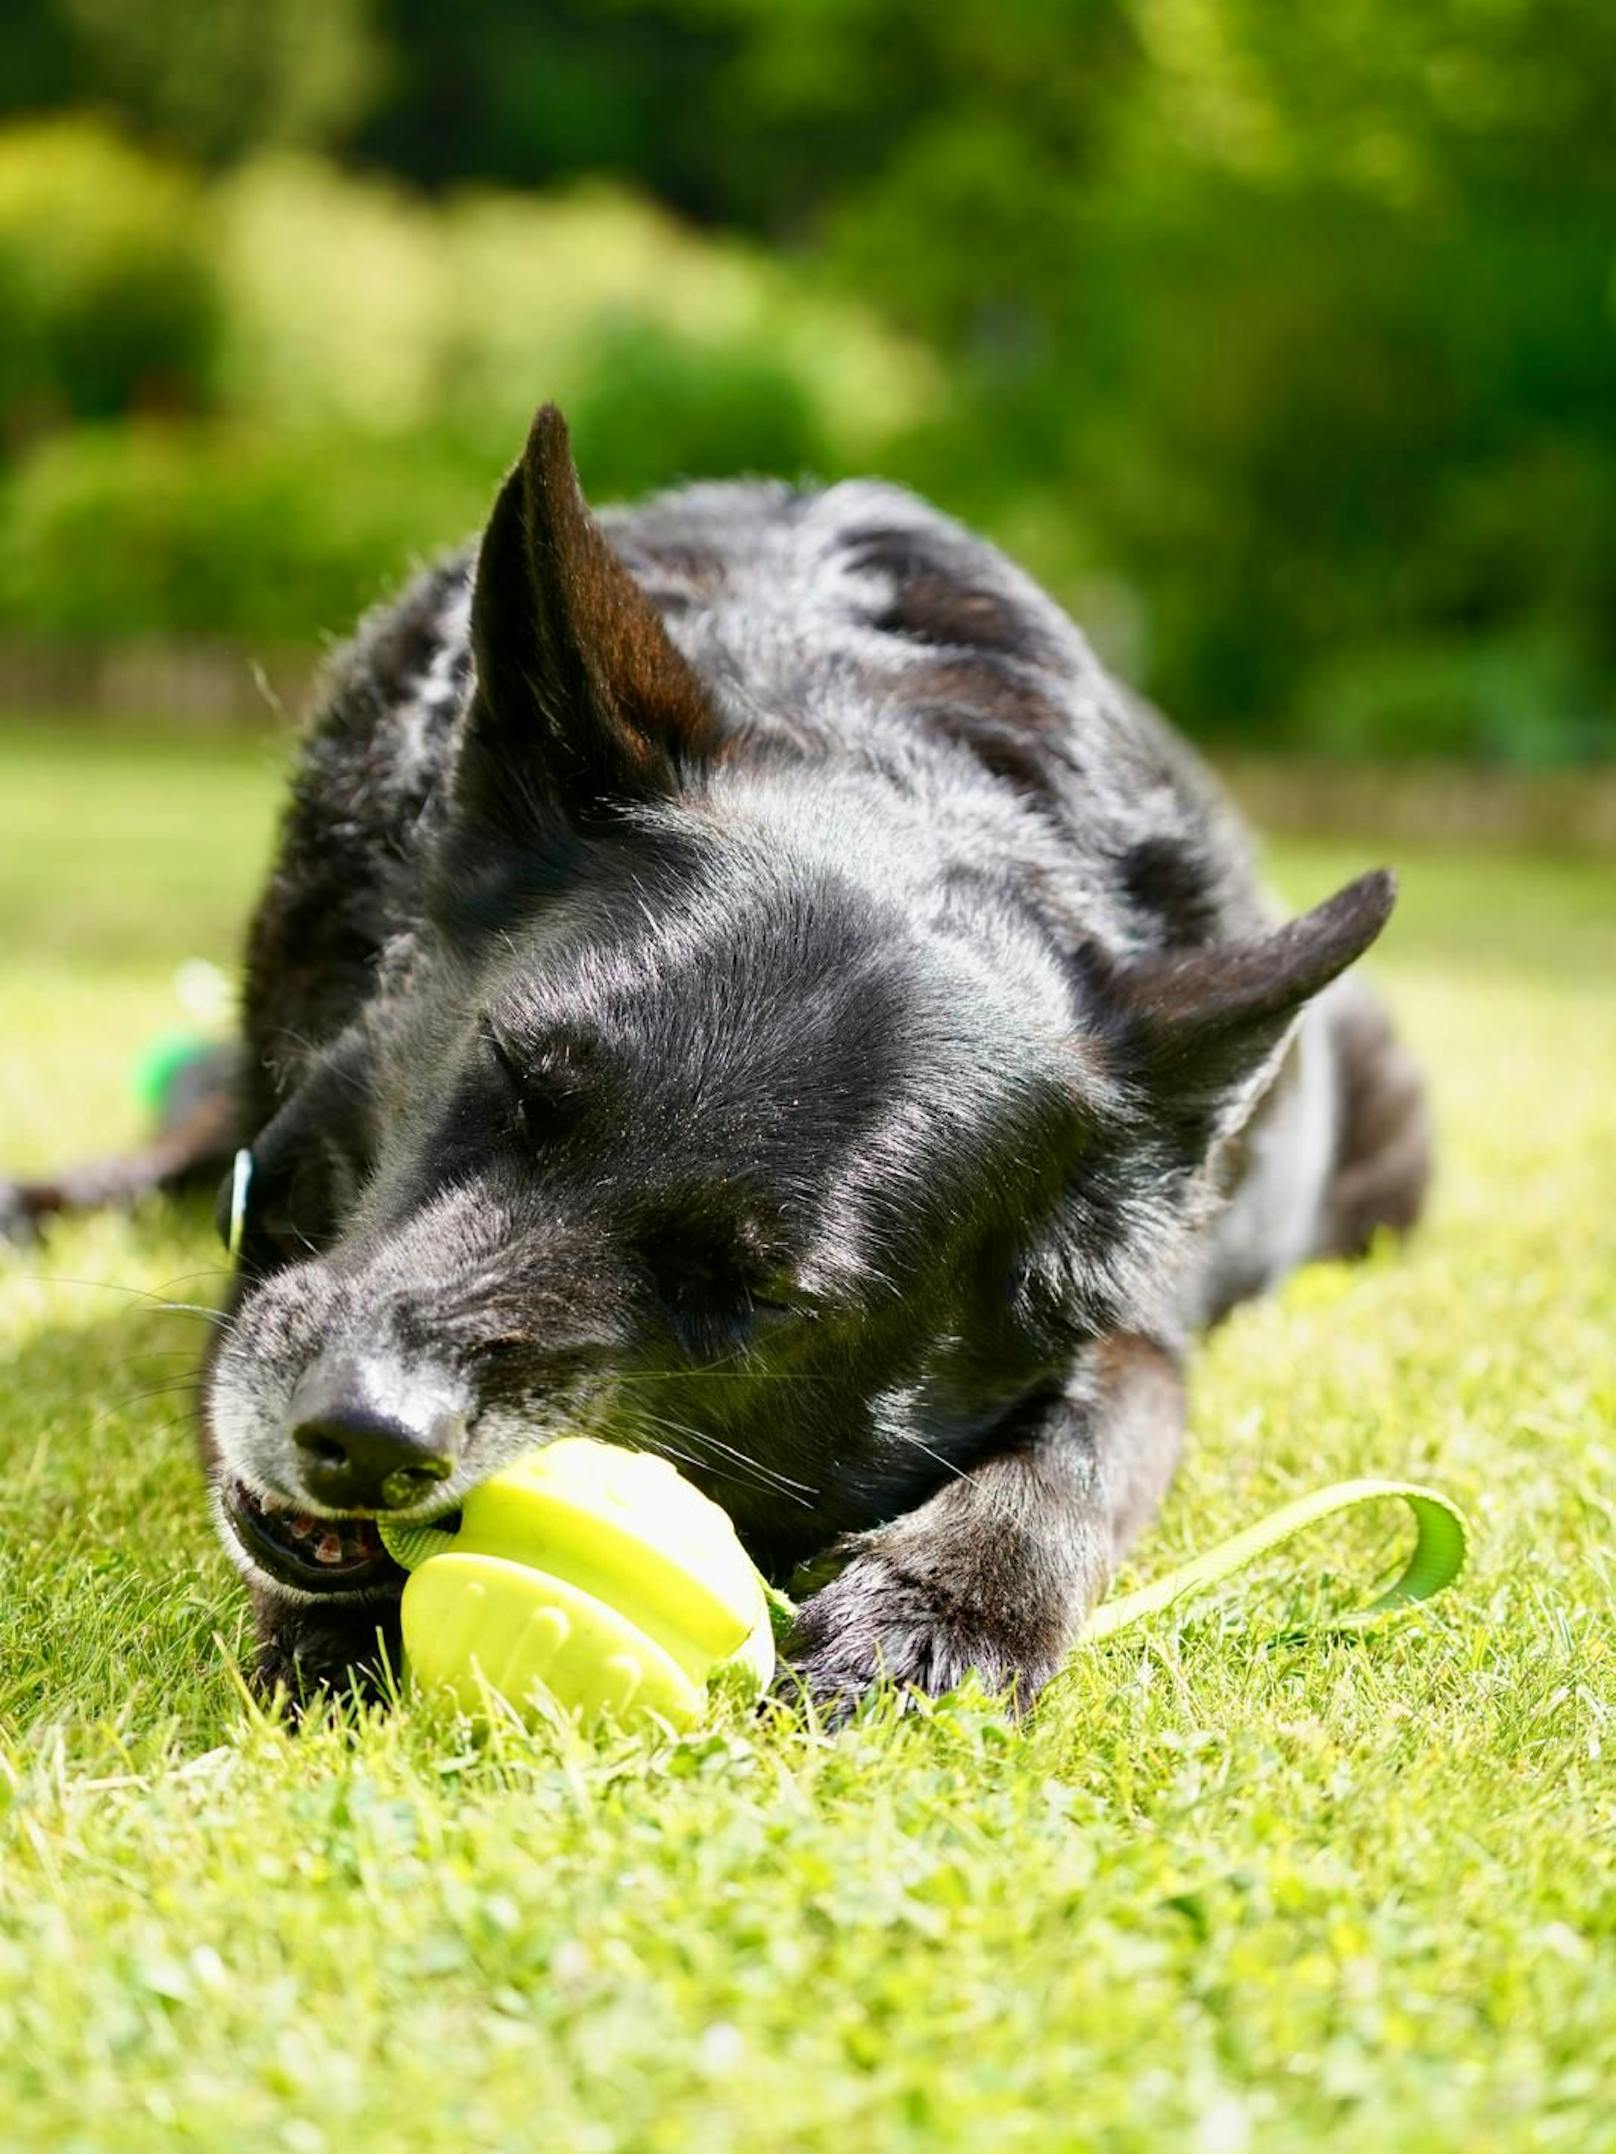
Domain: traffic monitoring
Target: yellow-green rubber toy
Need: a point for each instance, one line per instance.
(595, 1575)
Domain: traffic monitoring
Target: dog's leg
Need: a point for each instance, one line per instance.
(998, 1570)
(192, 1148)
(1382, 1166)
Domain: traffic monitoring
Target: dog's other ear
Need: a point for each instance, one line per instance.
(1205, 1028)
(581, 699)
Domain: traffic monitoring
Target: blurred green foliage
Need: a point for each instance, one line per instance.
(360, 395)
(1280, 341)
(107, 294)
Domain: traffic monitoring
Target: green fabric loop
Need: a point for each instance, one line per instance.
(1435, 1561)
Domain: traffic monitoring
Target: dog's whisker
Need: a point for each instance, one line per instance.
(716, 1443)
(160, 1353)
(919, 1443)
(175, 1386)
(168, 1389)
(174, 1421)
(159, 1303)
(781, 1480)
(672, 1452)
(330, 1066)
(759, 1475)
(718, 1370)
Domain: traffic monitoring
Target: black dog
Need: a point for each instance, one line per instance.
(740, 979)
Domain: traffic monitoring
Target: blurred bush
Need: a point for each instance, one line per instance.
(107, 290)
(336, 297)
(1523, 701)
(611, 305)
(221, 529)
(214, 81)
(355, 304)
(372, 362)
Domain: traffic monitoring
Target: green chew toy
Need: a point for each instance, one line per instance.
(596, 1574)
(603, 1578)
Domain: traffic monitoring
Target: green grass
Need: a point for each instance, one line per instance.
(1216, 1896)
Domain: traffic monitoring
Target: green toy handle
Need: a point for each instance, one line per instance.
(1435, 1561)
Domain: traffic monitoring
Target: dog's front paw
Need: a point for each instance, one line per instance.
(877, 1620)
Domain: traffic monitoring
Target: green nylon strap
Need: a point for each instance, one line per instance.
(1435, 1560)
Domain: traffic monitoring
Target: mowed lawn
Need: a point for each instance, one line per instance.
(1218, 1894)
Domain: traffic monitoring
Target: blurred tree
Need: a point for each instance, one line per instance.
(107, 288)
(529, 94)
(212, 80)
(1299, 317)
(40, 72)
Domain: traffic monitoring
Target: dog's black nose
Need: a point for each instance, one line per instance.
(367, 1444)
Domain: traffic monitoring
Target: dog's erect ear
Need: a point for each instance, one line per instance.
(581, 698)
(1205, 1027)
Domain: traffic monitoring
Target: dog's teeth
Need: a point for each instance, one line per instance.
(328, 1549)
(301, 1526)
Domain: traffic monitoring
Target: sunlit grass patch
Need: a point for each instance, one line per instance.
(1219, 1894)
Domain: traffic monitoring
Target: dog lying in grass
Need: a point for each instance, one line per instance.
(739, 979)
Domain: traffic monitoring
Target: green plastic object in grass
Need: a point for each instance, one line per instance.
(159, 1063)
(596, 1574)
(1434, 1561)
(602, 1578)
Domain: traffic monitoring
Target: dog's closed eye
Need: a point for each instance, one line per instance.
(546, 1079)
(720, 1276)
